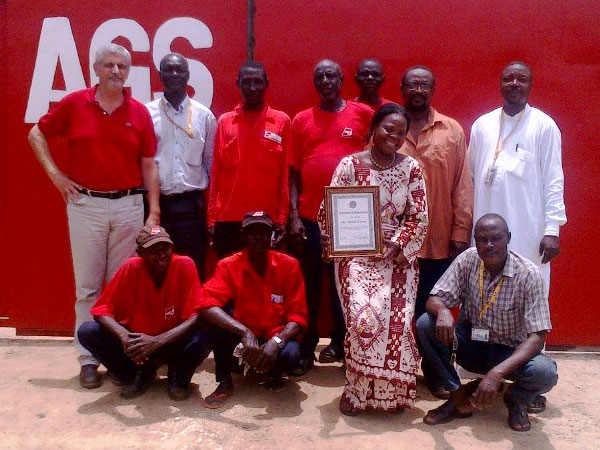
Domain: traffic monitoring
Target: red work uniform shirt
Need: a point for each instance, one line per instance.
(320, 140)
(249, 169)
(382, 101)
(263, 304)
(105, 150)
(134, 301)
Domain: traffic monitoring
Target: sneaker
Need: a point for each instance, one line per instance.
(140, 383)
(89, 377)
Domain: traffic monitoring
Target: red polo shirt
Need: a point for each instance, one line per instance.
(105, 150)
(263, 304)
(133, 300)
(320, 140)
(382, 101)
(249, 169)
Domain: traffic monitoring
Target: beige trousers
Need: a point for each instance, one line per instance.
(102, 233)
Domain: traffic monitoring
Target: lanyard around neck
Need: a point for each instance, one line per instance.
(487, 305)
(500, 143)
(190, 130)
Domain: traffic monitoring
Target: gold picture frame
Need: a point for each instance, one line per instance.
(353, 219)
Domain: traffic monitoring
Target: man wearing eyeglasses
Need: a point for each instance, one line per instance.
(438, 143)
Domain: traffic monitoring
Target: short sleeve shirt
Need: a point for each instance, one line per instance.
(104, 150)
(135, 302)
(263, 304)
(320, 140)
(521, 307)
(250, 165)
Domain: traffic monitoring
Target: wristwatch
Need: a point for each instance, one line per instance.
(280, 343)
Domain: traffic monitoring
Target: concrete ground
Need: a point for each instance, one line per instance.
(43, 407)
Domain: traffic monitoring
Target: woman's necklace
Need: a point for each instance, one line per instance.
(381, 166)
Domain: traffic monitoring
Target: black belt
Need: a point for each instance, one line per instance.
(113, 195)
(187, 194)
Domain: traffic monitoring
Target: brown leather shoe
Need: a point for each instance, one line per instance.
(89, 377)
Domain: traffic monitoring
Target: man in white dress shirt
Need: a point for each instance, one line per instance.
(185, 134)
(516, 163)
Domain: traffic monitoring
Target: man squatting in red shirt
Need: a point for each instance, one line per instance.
(321, 137)
(147, 317)
(269, 308)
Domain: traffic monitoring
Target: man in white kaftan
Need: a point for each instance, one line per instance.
(515, 154)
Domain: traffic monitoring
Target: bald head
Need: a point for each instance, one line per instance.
(519, 64)
(491, 239)
(327, 63)
(369, 76)
(328, 80)
(492, 220)
(370, 63)
(178, 57)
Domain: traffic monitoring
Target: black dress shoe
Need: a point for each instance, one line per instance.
(178, 393)
(140, 383)
(305, 366)
(89, 377)
(330, 354)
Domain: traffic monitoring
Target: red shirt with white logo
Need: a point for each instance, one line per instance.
(134, 301)
(249, 169)
(105, 150)
(263, 304)
(320, 140)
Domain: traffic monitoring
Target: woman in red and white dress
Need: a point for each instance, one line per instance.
(378, 293)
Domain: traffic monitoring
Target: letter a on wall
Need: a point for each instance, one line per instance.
(56, 44)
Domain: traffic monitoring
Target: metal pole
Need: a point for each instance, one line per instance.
(250, 39)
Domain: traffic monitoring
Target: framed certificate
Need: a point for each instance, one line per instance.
(353, 216)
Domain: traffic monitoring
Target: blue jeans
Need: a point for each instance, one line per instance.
(430, 271)
(287, 360)
(182, 357)
(536, 376)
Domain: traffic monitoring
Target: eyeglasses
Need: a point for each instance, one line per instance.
(414, 86)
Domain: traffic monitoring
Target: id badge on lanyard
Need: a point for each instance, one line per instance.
(480, 334)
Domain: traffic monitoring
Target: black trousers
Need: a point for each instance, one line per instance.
(312, 267)
(227, 238)
(225, 342)
(182, 357)
(184, 218)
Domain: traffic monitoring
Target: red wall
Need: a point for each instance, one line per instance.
(466, 43)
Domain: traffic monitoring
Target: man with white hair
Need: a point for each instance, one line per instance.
(111, 148)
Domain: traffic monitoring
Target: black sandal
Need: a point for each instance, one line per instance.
(518, 419)
(537, 405)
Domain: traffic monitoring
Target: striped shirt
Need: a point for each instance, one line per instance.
(520, 308)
